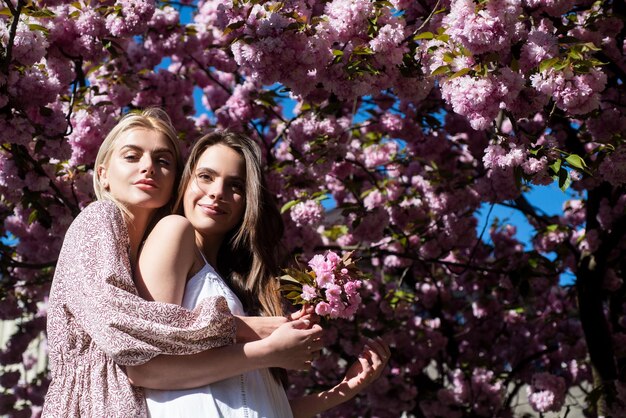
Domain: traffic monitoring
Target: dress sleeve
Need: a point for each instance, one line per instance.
(94, 265)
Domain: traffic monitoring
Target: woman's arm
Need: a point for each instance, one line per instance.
(291, 346)
(93, 286)
(252, 328)
(166, 259)
(368, 367)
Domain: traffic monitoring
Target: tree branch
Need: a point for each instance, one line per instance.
(15, 11)
(591, 271)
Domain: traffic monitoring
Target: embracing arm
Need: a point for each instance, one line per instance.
(291, 346)
(252, 328)
(368, 367)
(94, 286)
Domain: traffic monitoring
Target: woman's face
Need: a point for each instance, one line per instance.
(214, 199)
(141, 170)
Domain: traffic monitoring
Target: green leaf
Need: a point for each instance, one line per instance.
(291, 288)
(556, 166)
(363, 50)
(293, 295)
(42, 29)
(337, 52)
(592, 62)
(234, 26)
(573, 53)
(34, 215)
(564, 180)
(546, 64)
(424, 35)
(444, 69)
(576, 161)
(288, 278)
(5, 12)
(561, 65)
(448, 57)
(380, 3)
(289, 205)
(460, 73)
(273, 8)
(39, 13)
(590, 46)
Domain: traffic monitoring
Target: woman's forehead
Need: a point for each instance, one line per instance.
(221, 157)
(145, 139)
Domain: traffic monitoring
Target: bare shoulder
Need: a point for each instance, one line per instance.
(165, 260)
(173, 234)
(172, 227)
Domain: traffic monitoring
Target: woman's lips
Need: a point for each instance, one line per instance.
(146, 184)
(212, 209)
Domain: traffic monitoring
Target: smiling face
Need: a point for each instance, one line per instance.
(141, 170)
(214, 199)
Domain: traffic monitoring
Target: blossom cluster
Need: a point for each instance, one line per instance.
(331, 286)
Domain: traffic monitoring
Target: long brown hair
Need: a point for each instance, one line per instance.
(249, 255)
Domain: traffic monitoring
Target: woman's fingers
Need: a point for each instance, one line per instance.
(377, 353)
(380, 348)
(307, 312)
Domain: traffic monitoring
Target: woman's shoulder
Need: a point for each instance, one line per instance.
(173, 224)
(98, 216)
(174, 229)
(104, 209)
(172, 240)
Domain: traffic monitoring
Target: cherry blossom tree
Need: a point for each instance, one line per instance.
(411, 117)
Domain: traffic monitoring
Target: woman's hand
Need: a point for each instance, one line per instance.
(294, 345)
(368, 367)
(307, 312)
(252, 328)
(370, 364)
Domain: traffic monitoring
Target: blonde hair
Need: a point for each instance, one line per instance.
(153, 119)
(249, 256)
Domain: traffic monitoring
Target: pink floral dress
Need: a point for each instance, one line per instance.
(97, 324)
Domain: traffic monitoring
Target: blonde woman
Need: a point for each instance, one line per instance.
(226, 245)
(97, 324)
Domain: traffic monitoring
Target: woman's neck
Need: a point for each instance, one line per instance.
(137, 225)
(209, 246)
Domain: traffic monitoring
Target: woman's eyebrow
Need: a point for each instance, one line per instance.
(209, 170)
(205, 170)
(159, 150)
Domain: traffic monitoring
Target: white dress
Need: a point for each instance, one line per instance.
(253, 394)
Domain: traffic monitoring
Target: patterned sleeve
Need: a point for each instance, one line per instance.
(95, 264)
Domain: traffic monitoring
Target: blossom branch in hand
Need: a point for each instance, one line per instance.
(331, 285)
